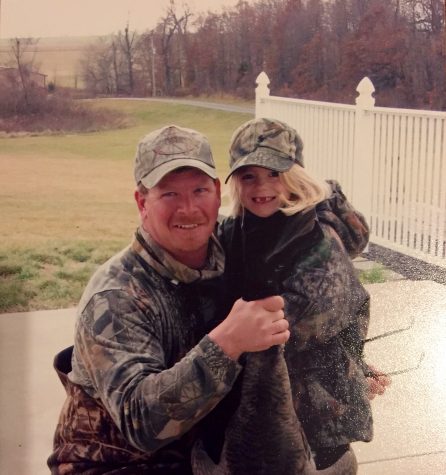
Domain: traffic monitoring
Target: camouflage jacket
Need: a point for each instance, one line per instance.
(302, 258)
(143, 370)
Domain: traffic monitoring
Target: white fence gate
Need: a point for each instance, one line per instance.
(390, 162)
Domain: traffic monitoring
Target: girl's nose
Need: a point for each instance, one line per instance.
(259, 181)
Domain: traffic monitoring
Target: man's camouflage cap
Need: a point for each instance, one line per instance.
(169, 148)
(267, 143)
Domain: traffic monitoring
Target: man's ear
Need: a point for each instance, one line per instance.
(218, 189)
(140, 200)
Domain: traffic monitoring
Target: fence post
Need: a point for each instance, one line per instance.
(262, 91)
(363, 149)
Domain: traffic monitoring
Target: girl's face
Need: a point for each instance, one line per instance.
(261, 190)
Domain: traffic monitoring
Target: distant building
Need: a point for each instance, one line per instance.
(9, 74)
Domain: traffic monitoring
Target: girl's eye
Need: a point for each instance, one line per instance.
(247, 176)
(274, 173)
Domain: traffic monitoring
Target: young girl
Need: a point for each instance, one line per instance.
(284, 238)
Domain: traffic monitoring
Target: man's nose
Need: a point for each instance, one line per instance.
(187, 204)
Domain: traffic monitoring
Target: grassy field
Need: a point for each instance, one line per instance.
(66, 202)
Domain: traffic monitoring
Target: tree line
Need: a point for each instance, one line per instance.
(314, 49)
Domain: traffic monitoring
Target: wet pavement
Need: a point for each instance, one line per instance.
(408, 338)
(410, 419)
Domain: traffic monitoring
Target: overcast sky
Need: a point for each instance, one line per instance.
(42, 18)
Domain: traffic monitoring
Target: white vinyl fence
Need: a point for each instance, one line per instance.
(391, 163)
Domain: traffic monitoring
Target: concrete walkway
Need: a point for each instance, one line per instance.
(410, 420)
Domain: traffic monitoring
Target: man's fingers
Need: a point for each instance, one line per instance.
(280, 338)
(273, 303)
(280, 326)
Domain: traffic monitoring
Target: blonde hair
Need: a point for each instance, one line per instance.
(304, 190)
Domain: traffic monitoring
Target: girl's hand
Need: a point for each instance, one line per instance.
(377, 382)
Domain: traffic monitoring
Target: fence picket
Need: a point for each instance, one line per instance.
(438, 228)
(442, 188)
(399, 182)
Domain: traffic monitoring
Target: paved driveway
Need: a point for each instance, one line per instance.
(410, 420)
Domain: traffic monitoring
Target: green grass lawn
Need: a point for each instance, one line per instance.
(66, 201)
(375, 275)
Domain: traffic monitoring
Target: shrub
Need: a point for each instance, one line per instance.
(39, 111)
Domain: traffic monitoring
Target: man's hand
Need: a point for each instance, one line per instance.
(377, 381)
(252, 326)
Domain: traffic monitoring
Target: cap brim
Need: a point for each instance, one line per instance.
(265, 158)
(156, 175)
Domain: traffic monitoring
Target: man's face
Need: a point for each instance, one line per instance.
(180, 213)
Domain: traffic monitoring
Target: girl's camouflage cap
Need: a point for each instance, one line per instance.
(169, 148)
(267, 143)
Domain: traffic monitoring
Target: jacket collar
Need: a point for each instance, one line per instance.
(159, 259)
(296, 231)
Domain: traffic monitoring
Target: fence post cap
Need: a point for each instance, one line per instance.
(262, 79)
(365, 89)
(262, 89)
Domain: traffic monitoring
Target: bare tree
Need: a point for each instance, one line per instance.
(127, 42)
(100, 68)
(146, 59)
(173, 27)
(115, 63)
(180, 23)
(153, 63)
(19, 49)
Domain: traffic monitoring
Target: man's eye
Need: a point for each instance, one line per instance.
(168, 194)
(201, 190)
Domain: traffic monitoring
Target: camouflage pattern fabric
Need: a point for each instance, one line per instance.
(349, 224)
(144, 373)
(169, 148)
(328, 311)
(88, 441)
(266, 143)
(264, 435)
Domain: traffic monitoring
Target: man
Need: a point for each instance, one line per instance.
(150, 360)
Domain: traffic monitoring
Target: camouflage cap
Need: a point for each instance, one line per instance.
(169, 148)
(267, 143)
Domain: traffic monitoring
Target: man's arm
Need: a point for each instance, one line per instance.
(152, 404)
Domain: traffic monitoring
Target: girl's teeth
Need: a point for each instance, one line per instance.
(262, 200)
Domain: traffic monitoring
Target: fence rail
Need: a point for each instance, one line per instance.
(390, 162)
